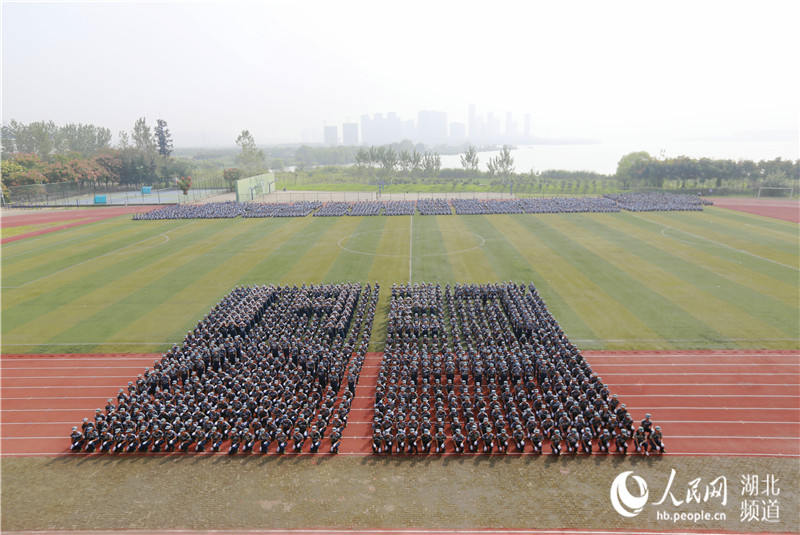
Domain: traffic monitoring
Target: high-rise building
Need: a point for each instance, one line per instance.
(511, 126)
(350, 134)
(432, 126)
(331, 135)
(458, 133)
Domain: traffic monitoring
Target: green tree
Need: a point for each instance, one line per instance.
(163, 138)
(143, 138)
(629, 165)
(251, 157)
(231, 175)
(469, 160)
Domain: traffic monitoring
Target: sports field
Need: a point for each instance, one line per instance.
(716, 279)
(671, 284)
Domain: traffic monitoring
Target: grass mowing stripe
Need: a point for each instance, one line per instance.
(66, 302)
(719, 317)
(722, 281)
(430, 256)
(356, 252)
(389, 266)
(736, 233)
(281, 260)
(575, 299)
(49, 261)
(661, 315)
(317, 260)
(45, 243)
(60, 288)
(785, 230)
(786, 261)
(163, 279)
(10, 232)
(743, 270)
(500, 250)
(468, 261)
(187, 306)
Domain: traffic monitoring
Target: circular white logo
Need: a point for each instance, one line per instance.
(625, 503)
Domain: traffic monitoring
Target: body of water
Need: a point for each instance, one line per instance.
(603, 157)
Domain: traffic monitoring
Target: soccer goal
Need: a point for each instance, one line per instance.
(770, 191)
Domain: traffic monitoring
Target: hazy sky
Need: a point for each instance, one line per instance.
(613, 71)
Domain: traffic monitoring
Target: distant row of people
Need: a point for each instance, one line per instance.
(658, 202)
(268, 368)
(635, 202)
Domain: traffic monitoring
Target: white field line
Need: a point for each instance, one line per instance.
(700, 364)
(715, 242)
(657, 356)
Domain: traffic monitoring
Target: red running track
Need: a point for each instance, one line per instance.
(786, 209)
(84, 216)
(707, 403)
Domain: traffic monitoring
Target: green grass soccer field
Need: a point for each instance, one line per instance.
(716, 279)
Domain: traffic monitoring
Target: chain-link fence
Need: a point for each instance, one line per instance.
(76, 194)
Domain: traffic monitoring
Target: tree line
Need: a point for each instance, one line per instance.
(42, 152)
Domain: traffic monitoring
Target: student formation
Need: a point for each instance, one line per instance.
(633, 202)
(466, 369)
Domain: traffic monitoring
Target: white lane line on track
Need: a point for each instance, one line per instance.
(698, 355)
(734, 364)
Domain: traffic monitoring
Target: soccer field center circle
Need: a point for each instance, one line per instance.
(341, 245)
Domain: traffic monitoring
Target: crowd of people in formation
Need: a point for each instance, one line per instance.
(635, 202)
(538, 205)
(486, 368)
(333, 209)
(280, 209)
(212, 210)
(399, 207)
(365, 208)
(658, 202)
(269, 369)
(434, 207)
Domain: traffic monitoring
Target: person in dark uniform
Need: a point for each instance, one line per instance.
(488, 440)
(458, 441)
(536, 440)
(184, 439)
(157, 437)
(133, 442)
(298, 440)
(282, 439)
(586, 440)
(656, 441)
(572, 440)
(216, 438)
(622, 441)
(604, 441)
(640, 441)
(236, 440)
(388, 440)
(106, 441)
(76, 437)
(519, 438)
(315, 438)
(401, 440)
(555, 442)
(336, 439)
(377, 441)
(248, 440)
(92, 439)
(502, 440)
(426, 439)
(472, 438)
(647, 424)
(441, 439)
